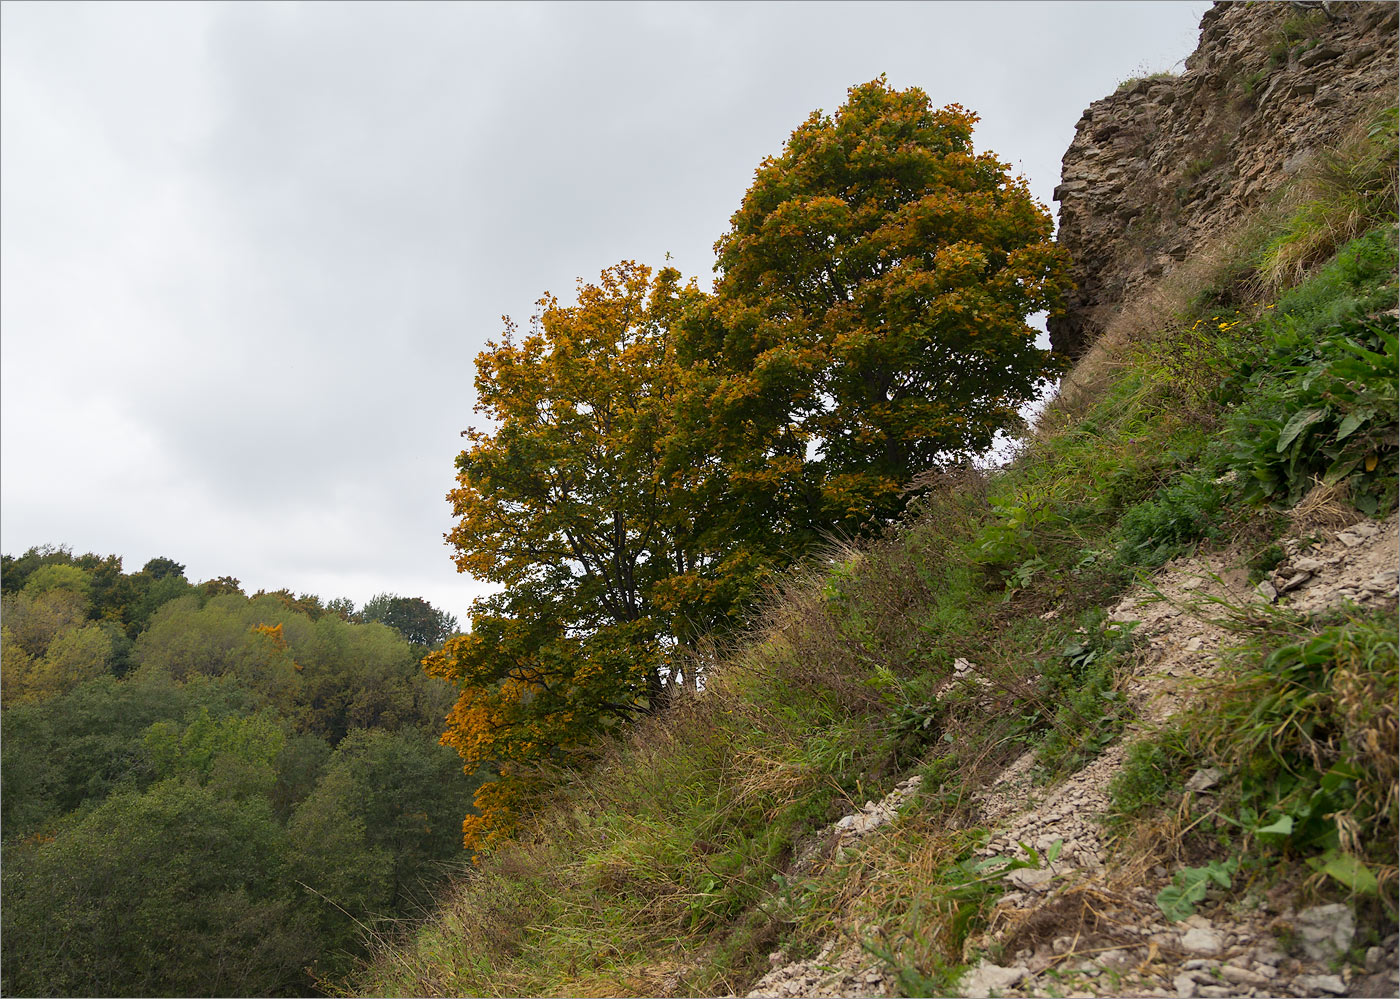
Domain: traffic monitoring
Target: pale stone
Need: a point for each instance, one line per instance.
(986, 978)
(1325, 931)
(1030, 878)
(1242, 976)
(1185, 986)
(1115, 960)
(1203, 779)
(1201, 941)
(1316, 985)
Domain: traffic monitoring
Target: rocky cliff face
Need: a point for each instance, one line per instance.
(1163, 164)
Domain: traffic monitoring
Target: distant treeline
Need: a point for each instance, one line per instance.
(210, 793)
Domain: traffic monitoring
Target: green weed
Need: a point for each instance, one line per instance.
(1078, 686)
(1188, 510)
(1190, 885)
(1303, 730)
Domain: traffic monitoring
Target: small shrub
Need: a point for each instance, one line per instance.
(1333, 419)
(1079, 701)
(1152, 774)
(1133, 81)
(1189, 509)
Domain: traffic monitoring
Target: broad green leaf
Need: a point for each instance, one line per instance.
(1295, 426)
(1340, 469)
(1282, 826)
(1352, 873)
(1176, 904)
(1221, 874)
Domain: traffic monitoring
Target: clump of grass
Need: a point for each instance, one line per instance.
(1345, 192)
(1302, 727)
(1133, 81)
(1297, 31)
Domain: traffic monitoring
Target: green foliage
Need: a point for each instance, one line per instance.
(62, 578)
(1153, 771)
(161, 567)
(33, 620)
(1189, 509)
(73, 750)
(409, 793)
(375, 835)
(249, 744)
(1190, 885)
(327, 676)
(171, 891)
(1303, 731)
(1323, 405)
(214, 753)
(1078, 696)
(412, 617)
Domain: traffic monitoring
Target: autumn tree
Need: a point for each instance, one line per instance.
(870, 318)
(565, 504)
(657, 451)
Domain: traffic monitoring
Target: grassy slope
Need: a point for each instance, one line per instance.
(667, 868)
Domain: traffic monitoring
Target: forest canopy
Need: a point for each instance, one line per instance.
(207, 792)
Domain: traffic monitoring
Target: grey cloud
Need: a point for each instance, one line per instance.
(267, 240)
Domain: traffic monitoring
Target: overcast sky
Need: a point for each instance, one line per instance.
(250, 250)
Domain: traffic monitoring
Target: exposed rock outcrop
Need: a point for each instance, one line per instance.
(1160, 166)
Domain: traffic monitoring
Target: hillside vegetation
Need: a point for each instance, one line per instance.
(207, 793)
(691, 844)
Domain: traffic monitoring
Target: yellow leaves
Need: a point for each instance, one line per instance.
(272, 632)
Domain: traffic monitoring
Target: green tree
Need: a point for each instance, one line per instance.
(221, 586)
(16, 570)
(35, 619)
(174, 891)
(59, 578)
(413, 617)
(377, 833)
(160, 567)
(77, 654)
(73, 750)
